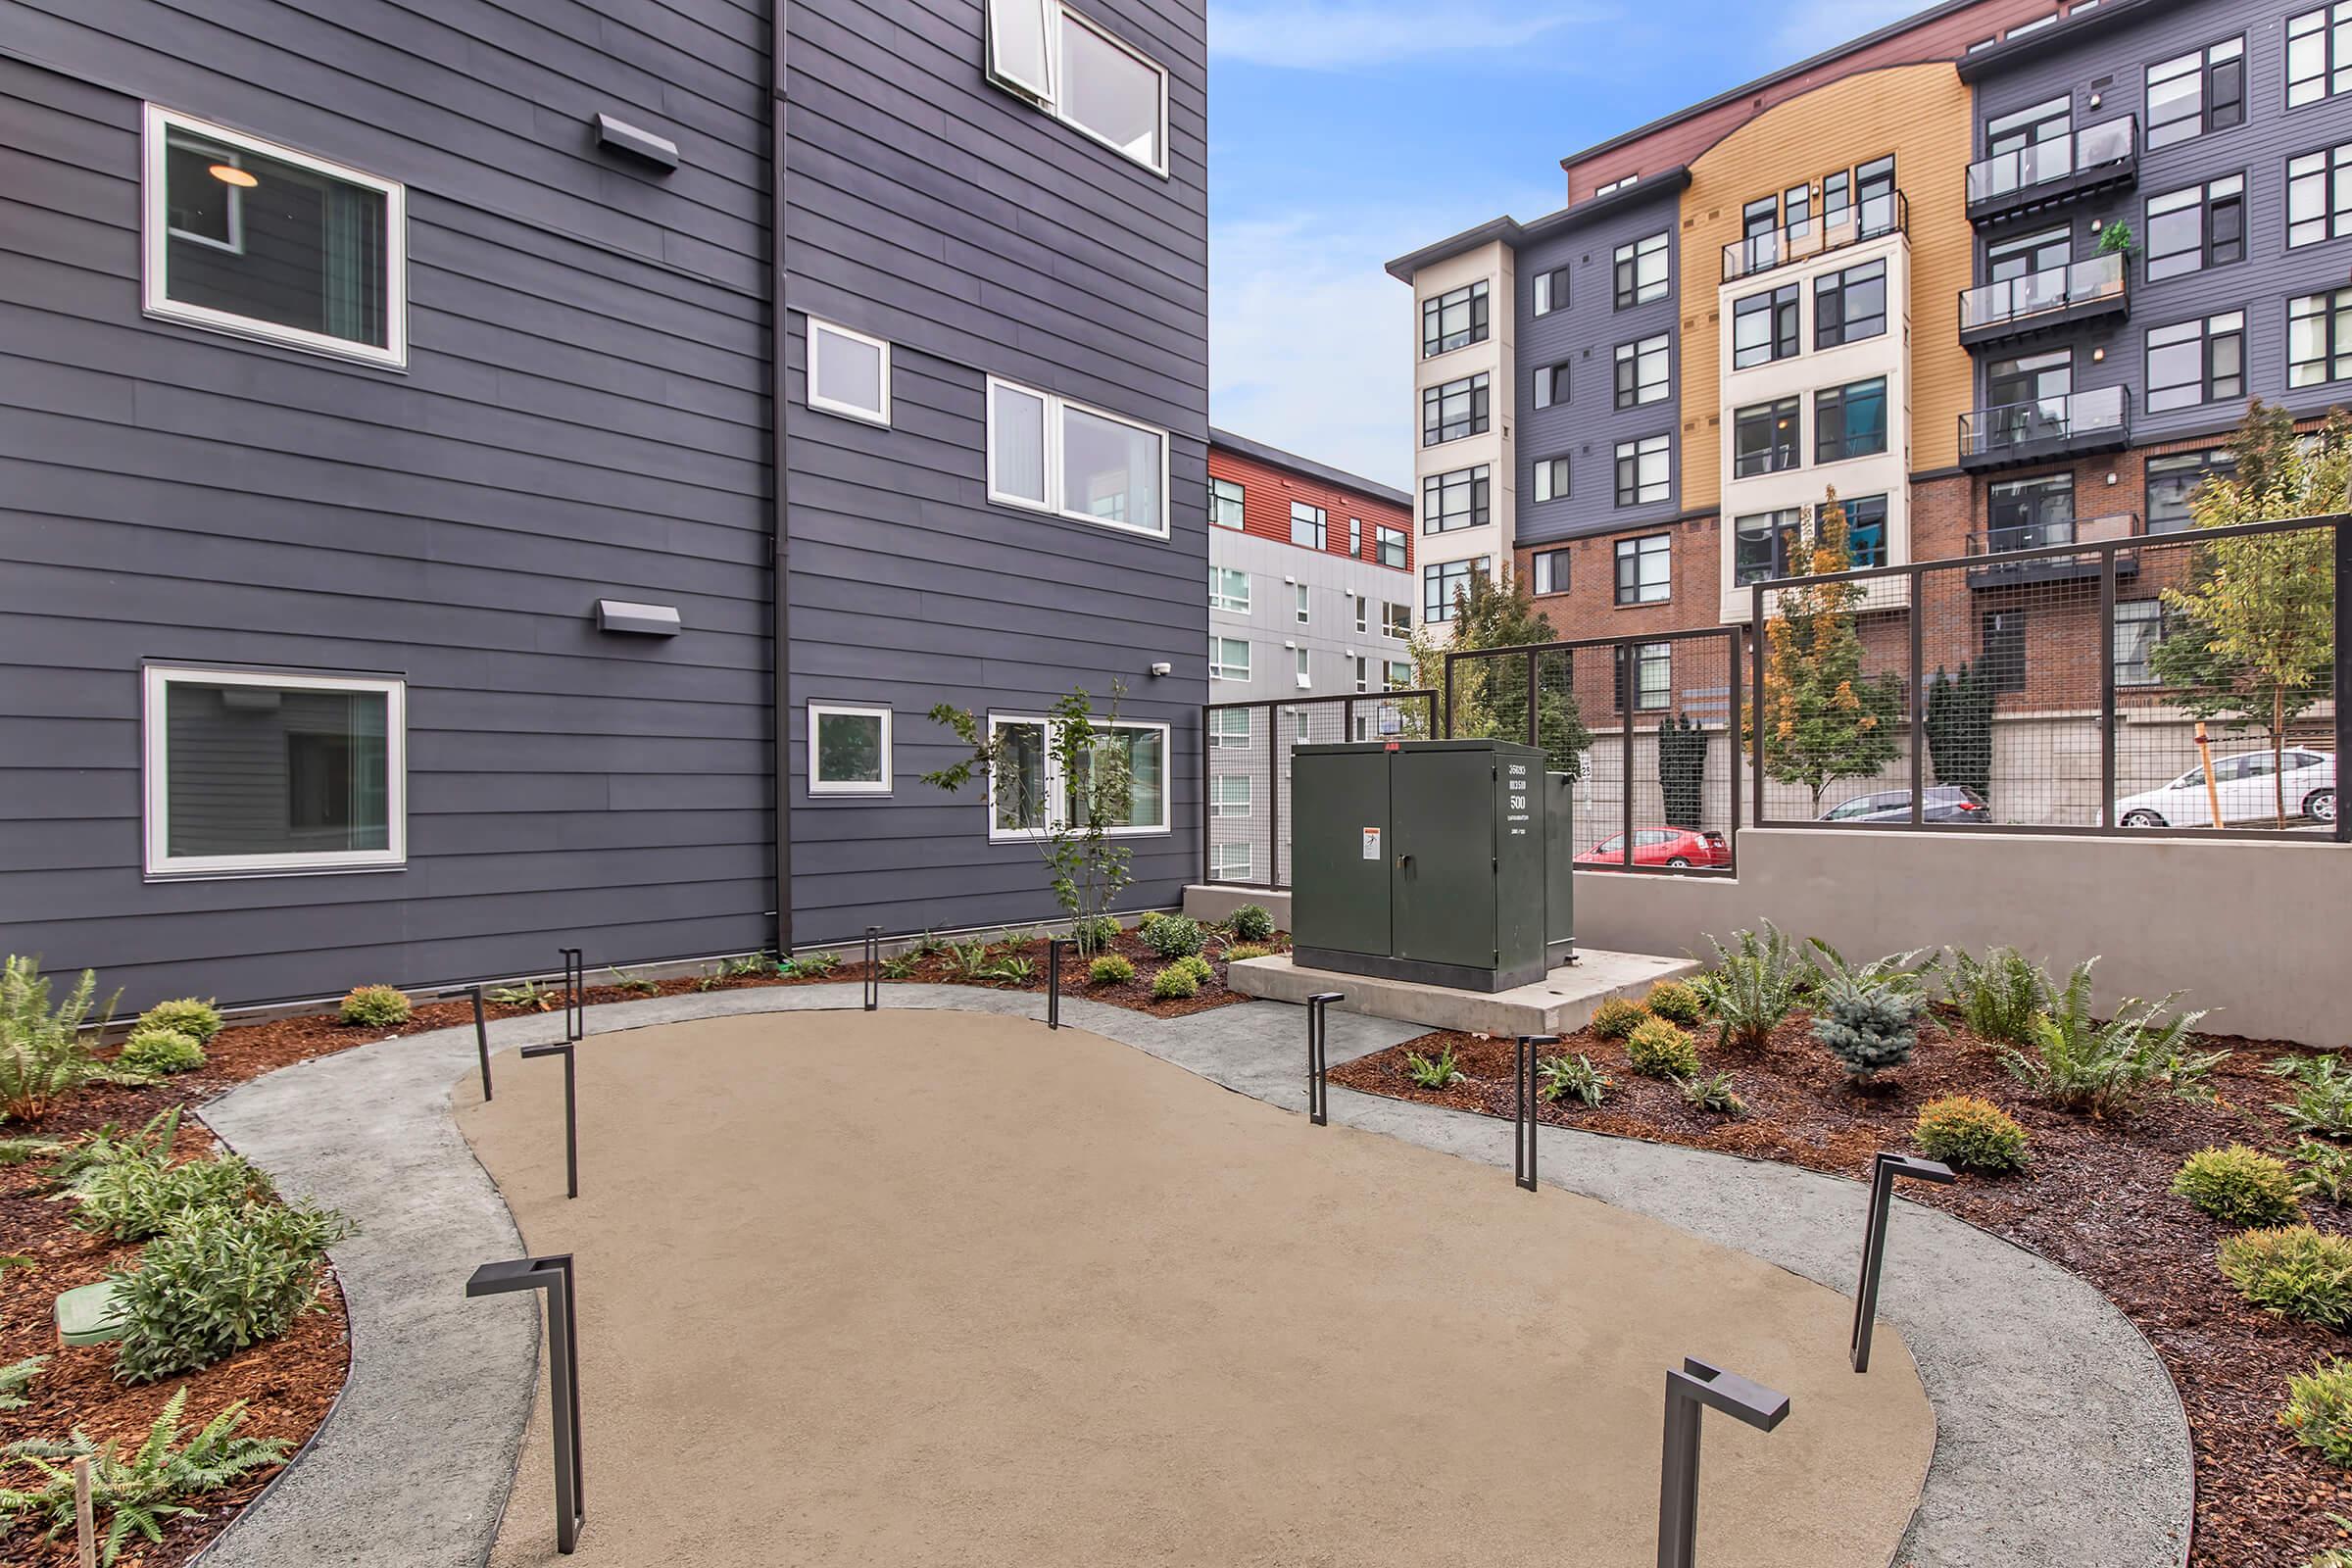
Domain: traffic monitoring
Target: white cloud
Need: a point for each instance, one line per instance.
(1340, 35)
(1812, 26)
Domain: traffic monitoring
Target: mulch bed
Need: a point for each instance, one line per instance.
(2096, 1200)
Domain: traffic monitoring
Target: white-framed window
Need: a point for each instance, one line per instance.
(1230, 794)
(1082, 75)
(1229, 589)
(1228, 727)
(1396, 619)
(1048, 454)
(1225, 497)
(245, 236)
(1229, 658)
(1228, 863)
(1299, 668)
(849, 749)
(1356, 538)
(1298, 603)
(849, 373)
(1363, 611)
(255, 773)
(1400, 674)
(1038, 797)
(1363, 672)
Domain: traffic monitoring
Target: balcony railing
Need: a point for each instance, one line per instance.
(2044, 301)
(2000, 539)
(1867, 220)
(2015, 182)
(2096, 420)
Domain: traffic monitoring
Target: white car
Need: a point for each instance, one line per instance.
(2247, 790)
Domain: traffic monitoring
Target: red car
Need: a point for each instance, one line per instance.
(1661, 845)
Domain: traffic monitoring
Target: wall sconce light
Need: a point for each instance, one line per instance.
(2098, 356)
(643, 620)
(2111, 476)
(2094, 100)
(1163, 667)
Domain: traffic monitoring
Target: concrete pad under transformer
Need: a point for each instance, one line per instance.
(1559, 1003)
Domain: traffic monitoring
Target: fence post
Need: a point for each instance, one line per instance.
(1628, 682)
(1532, 731)
(1918, 698)
(553, 1274)
(1688, 1394)
(1883, 1169)
(1318, 1029)
(2344, 668)
(1523, 1119)
(1274, 797)
(1755, 654)
(2107, 746)
(1450, 657)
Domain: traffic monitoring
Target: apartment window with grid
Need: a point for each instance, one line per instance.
(1400, 674)
(1850, 421)
(1851, 305)
(1650, 674)
(1768, 545)
(1229, 589)
(1230, 794)
(1363, 611)
(1229, 729)
(1551, 291)
(1551, 569)
(1642, 466)
(2139, 628)
(1454, 410)
(1455, 320)
(1396, 619)
(1225, 502)
(1228, 659)
(2001, 649)
(1306, 525)
(1298, 611)
(1443, 582)
(2319, 338)
(1866, 530)
(2172, 480)
(1389, 544)
(1642, 371)
(1363, 675)
(1646, 569)
(2196, 362)
(2204, 225)
(2200, 91)
(1764, 327)
(1298, 668)
(1456, 499)
(1764, 438)
(1639, 269)
(1230, 863)
(2319, 54)
(1551, 480)
(1552, 385)
(2027, 254)
(2319, 196)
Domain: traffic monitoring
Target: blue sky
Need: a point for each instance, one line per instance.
(1344, 133)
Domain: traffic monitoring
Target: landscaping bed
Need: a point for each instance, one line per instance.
(2096, 1197)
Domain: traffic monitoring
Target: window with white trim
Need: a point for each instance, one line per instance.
(1229, 589)
(1228, 728)
(1362, 674)
(849, 749)
(246, 236)
(1048, 454)
(1400, 675)
(1619, 184)
(1229, 658)
(1299, 668)
(253, 772)
(1029, 791)
(1225, 498)
(1084, 75)
(2319, 54)
(849, 373)
(1230, 794)
(1396, 620)
(1298, 603)
(1228, 863)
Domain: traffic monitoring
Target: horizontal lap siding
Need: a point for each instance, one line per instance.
(583, 416)
(981, 236)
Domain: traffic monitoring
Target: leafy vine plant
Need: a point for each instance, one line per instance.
(1090, 761)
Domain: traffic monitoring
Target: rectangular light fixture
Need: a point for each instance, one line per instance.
(619, 136)
(642, 620)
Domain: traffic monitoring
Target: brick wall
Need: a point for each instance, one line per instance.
(1590, 608)
(1267, 493)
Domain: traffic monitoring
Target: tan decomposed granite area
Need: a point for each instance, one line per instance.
(938, 1288)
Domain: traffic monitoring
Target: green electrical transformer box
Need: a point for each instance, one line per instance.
(1444, 862)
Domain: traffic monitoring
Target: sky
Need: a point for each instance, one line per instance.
(1345, 132)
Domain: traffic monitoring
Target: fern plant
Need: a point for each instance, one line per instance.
(1754, 984)
(140, 1492)
(43, 1056)
(2000, 996)
(1867, 1015)
(2322, 1091)
(2079, 1064)
(1438, 1073)
(2326, 1170)
(15, 1379)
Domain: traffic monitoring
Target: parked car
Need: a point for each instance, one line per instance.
(1942, 803)
(2248, 791)
(1661, 845)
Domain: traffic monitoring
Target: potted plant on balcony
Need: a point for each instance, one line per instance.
(2117, 238)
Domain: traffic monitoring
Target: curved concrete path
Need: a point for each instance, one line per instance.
(2060, 1438)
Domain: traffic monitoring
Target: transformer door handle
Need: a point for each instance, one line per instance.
(1404, 862)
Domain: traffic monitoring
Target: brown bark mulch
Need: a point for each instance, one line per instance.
(2096, 1200)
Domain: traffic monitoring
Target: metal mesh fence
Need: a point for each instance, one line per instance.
(1246, 757)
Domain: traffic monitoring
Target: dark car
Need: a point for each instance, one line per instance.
(1943, 803)
(1660, 846)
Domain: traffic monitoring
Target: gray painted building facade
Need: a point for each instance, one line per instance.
(577, 404)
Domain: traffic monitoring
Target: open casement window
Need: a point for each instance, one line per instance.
(248, 237)
(849, 373)
(849, 749)
(1048, 454)
(252, 773)
(1082, 75)
(1030, 792)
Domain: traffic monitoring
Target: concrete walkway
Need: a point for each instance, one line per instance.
(2060, 1439)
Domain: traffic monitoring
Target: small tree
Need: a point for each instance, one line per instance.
(1959, 725)
(2254, 644)
(1490, 694)
(1683, 771)
(1092, 759)
(1822, 720)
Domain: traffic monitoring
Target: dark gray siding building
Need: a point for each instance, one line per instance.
(303, 681)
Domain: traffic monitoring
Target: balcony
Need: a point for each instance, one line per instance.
(2003, 539)
(2043, 429)
(2096, 157)
(2047, 301)
(1867, 220)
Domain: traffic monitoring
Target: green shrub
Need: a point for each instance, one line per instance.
(811, 965)
(379, 1007)
(2318, 1409)
(2294, 1271)
(1243, 952)
(16, 1379)
(25, 1151)
(43, 1056)
(1175, 936)
(165, 1051)
(140, 1491)
(902, 965)
(2326, 1170)
(1616, 1017)
(1110, 969)
(1970, 1134)
(1174, 985)
(1713, 1090)
(1999, 997)
(1013, 969)
(1754, 985)
(198, 1021)
(2238, 1186)
(1438, 1072)
(1867, 1015)
(135, 1198)
(218, 1280)
(636, 985)
(1565, 1078)
(968, 960)
(151, 1146)
(1675, 1001)
(1656, 1048)
(531, 993)
(1200, 969)
(1250, 923)
(2323, 1102)
(2077, 1064)
(1144, 921)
